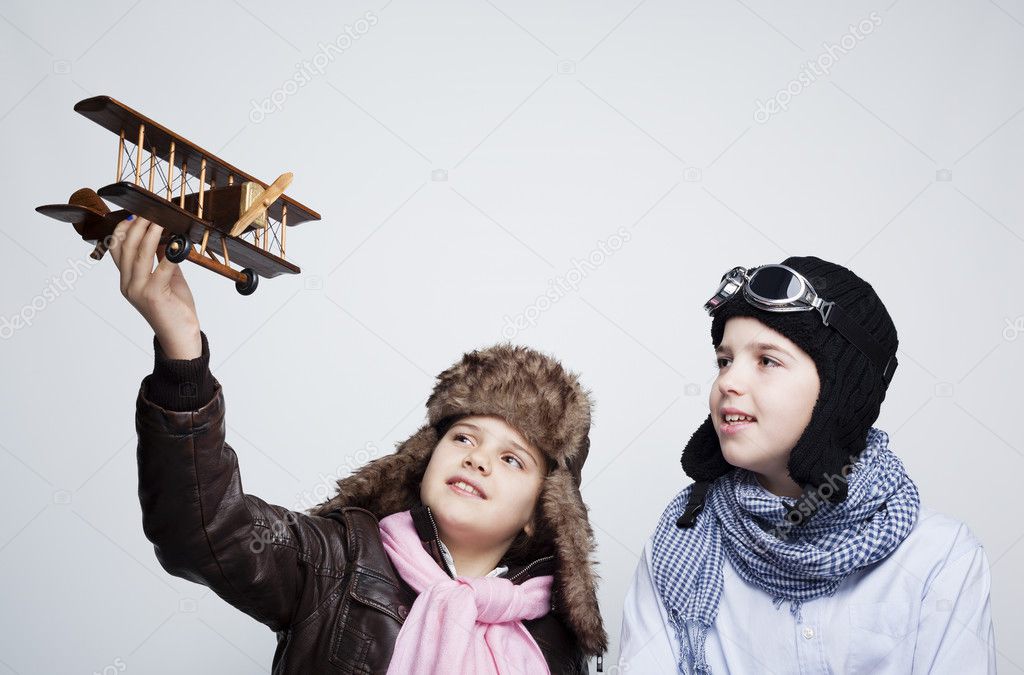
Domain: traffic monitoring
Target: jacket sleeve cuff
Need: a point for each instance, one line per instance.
(180, 384)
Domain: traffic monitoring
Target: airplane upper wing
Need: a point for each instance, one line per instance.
(117, 117)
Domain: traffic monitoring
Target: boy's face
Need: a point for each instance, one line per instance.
(482, 483)
(764, 375)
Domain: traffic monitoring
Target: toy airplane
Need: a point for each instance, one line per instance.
(218, 210)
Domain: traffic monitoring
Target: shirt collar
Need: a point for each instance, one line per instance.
(446, 555)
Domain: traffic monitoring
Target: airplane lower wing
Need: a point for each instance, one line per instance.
(173, 218)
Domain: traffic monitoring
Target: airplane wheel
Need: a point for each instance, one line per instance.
(248, 287)
(178, 248)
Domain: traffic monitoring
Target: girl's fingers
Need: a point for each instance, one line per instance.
(136, 228)
(165, 271)
(143, 259)
(117, 238)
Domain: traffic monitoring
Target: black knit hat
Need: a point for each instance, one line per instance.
(852, 388)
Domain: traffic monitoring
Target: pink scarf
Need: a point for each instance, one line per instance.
(463, 625)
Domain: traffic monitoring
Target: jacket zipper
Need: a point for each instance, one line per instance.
(437, 540)
(430, 515)
(527, 568)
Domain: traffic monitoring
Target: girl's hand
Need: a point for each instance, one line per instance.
(161, 296)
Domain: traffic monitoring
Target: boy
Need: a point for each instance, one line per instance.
(798, 499)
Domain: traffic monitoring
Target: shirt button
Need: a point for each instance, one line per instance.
(808, 632)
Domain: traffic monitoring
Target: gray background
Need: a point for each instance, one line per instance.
(558, 124)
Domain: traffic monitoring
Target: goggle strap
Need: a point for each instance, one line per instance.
(694, 505)
(863, 340)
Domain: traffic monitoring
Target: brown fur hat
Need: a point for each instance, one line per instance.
(533, 393)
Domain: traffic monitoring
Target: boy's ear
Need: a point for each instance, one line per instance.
(529, 529)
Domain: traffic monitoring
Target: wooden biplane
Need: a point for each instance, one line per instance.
(212, 213)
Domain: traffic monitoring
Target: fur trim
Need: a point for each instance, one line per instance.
(574, 544)
(529, 390)
(389, 484)
(535, 394)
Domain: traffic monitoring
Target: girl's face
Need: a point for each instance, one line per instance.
(764, 376)
(482, 483)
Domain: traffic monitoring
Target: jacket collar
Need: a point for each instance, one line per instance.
(426, 529)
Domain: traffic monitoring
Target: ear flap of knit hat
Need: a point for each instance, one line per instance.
(702, 457)
(389, 484)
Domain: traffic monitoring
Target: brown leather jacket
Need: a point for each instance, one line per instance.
(324, 585)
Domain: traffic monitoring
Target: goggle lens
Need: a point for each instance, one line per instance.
(775, 283)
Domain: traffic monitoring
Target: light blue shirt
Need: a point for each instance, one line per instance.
(924, 609)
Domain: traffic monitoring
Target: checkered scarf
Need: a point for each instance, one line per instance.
(793, 563)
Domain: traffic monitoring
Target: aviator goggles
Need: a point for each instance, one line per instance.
(778, 288)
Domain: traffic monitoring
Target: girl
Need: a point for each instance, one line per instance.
(465, 551)
(798, 500)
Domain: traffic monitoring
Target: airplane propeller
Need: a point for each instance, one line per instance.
(261, 203)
